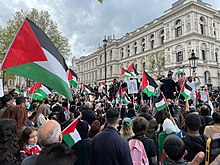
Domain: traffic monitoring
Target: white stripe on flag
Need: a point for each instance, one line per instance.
(158, 104)
(150, 88)
(53, 66)
(187, 92)
(75, 135)
(45, 89)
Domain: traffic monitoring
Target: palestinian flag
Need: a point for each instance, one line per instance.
(33, 55)
(125, 73)
(38, 91)
(72, 77)
(70, 134)
(148, 85)
(160, 102)
(85, 89)
(185, 90)
(133, 70)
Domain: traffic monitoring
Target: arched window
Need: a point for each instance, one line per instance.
(178, 28)
(202, 22)
(152, 41)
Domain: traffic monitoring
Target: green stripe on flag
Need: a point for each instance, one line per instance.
(45, 77)
(68, 140)
(73, 83)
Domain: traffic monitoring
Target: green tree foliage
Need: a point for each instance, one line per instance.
(155, 63)
(43, 20)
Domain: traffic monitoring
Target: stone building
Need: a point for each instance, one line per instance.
(188, 25)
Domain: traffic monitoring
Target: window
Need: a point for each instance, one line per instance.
(152, 44)
(100, 59)
(203, 54)
(122, 55)
(111, 69)
(10, 82)
(128, 51)
(178, 28)
(202, 28)
(110, 55)
(143, 47)
(216, 57)
(179, 56)
(162, 40)
(100, 73)
(178, 31)
(135, 50)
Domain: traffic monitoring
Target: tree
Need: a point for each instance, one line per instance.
(40, 18)
(155, 62)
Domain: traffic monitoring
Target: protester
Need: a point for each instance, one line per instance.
(108, 147)
(42, 115)
(139, 128)
(82, 148)
(48, 133)
(7, 100)
(194, 142)
(9, 148)
(126, 129)
(29, 141)
(56, 154)
(213, 130)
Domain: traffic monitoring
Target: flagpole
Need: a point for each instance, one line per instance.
(166, 103)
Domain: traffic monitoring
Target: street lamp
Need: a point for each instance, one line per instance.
(105, 44)
(193, 61)
(209, 84)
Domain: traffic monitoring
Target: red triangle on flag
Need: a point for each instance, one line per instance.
(69, 74)
(70, 128)
(144, 80)
(34, 87)
(21, 49)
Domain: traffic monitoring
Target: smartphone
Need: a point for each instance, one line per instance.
(212, 149)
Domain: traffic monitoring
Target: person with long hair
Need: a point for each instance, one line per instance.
(42, 115)
(126, 129)
(29, 141)
(19, 114)
(9, 147)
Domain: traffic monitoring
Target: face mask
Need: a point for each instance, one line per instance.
(14, 103)
(28, 105)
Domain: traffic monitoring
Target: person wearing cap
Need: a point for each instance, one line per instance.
(7, 100)
(108, 147)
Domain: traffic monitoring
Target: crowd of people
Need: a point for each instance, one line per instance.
(31, 130)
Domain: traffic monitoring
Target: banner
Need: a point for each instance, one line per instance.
(132, 86)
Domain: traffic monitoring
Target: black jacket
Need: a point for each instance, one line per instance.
(109, 148)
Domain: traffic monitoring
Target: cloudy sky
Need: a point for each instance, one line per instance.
(86, 22)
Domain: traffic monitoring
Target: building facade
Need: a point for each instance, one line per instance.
(188, 25)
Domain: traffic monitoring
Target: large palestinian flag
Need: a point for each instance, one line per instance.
(148, 85)
(72, 77)
(33, 55)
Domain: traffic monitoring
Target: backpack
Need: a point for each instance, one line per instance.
(138, 153)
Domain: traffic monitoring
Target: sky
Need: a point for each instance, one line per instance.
(86, 22)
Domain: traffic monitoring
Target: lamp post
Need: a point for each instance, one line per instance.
(209, 84)
(105, 44)
(193, 61)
